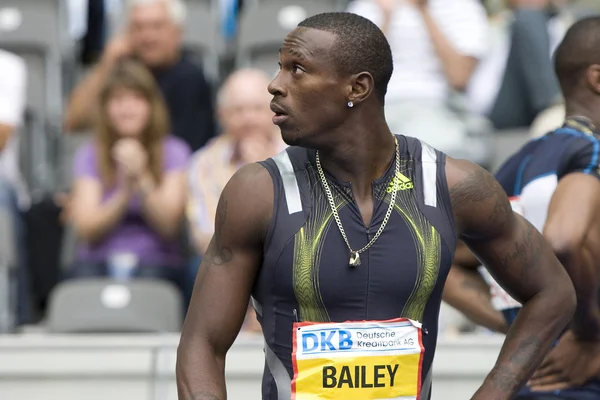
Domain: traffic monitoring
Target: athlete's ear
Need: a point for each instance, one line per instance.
(593, 77)
(362, 85)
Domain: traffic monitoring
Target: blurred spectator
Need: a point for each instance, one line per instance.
(248, 136)
(129, 195)
(88, 25)
(154, 37)
(13, 76)
(516, 81)
(436, 45)
(77, 11)
(92, 42)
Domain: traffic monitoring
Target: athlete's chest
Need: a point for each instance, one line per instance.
(400, 265)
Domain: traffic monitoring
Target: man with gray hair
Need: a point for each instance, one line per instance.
(153, 34)
(248, 136)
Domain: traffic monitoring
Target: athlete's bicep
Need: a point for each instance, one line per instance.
(229, 267)
(512, 250)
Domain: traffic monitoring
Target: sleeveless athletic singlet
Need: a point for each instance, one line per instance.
(306, 277)
(530, 178)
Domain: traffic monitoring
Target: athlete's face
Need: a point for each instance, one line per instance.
(309, 96)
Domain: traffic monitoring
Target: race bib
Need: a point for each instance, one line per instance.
(500, 299)
(357, 360)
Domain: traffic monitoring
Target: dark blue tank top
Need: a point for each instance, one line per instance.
(305, 275)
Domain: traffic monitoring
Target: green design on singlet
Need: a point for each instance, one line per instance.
(308, 245)
(428, 253)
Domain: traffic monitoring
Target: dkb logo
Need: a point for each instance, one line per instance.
(332, 340)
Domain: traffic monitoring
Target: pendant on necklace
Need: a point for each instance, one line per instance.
(354, 259)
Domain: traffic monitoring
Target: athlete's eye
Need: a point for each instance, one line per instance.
(296, 69)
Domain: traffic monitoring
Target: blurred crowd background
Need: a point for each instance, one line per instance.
(121, 121)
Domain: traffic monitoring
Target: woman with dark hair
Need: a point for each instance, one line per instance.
(129, 192)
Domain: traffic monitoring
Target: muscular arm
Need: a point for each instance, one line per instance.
(224, 283)
(467, 291)
(572, 222)
(524, 264)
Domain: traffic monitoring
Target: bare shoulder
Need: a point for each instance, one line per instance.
(479, 202)
(248, 196)
(252, 179)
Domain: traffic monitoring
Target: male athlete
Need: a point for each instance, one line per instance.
(554, 182)
(345, 239)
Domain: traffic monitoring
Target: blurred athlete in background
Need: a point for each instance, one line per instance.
(554, 182)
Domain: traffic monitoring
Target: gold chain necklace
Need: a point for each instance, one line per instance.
(355, 254)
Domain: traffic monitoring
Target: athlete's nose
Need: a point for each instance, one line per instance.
(275, 87)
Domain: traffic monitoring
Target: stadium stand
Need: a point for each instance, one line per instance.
(202, 38)
(35, 31)
(506, 143)
(142, 367)
(106, 306)
(263, 26)
(7, 265)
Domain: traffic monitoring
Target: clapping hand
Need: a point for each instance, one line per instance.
(131, 159)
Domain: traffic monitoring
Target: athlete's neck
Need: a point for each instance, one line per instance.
(588, 110)
(362, 157)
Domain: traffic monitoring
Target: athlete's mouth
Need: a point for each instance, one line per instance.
(278, 110)
(280, 113)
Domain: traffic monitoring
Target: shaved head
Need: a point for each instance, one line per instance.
(579, 50)
(360, 46)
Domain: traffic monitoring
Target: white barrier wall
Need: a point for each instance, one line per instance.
(47, 367)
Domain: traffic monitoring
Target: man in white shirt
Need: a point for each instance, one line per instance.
(436, 45)
(13, 199)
